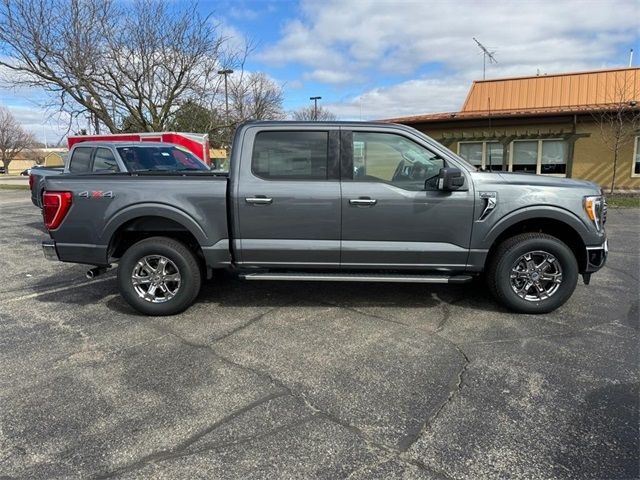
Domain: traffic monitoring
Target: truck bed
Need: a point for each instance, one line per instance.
(106, 207)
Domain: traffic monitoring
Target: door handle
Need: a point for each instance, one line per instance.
(363, 202)
(259, 200)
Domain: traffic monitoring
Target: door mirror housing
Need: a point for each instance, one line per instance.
(450, 178)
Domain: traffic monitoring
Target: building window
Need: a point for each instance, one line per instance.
(635, 168)
(544, 157)
(493, 155)
(472, 152)
(482, 154)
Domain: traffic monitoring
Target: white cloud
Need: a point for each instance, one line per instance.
(243, 13)
(407, 98)
(330, 76)
(44, 125)
(340, 43)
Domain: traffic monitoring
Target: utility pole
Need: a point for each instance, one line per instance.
(485, 54)
(93, 118)
(225, 72)
(315, 107)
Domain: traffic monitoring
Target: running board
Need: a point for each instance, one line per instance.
(358, 277)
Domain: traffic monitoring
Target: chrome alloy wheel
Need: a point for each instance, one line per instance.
(156, 279)
(536, 276)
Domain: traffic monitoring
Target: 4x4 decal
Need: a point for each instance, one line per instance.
(96, 194)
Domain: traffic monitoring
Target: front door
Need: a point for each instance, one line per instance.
(393, 216)
(288, 199)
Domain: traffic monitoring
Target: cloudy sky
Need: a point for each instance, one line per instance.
(380, 58)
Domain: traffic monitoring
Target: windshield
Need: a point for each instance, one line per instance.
(161, 159)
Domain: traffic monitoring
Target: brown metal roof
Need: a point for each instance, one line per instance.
(568, 93)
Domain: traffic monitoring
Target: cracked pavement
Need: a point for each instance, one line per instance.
(313, 380)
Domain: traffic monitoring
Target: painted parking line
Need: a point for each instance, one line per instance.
(56, 290)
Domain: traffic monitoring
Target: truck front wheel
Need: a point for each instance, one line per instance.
(532, 273)
(159, 276)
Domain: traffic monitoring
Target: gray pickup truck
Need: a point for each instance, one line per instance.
(100, 157)
(366, 202)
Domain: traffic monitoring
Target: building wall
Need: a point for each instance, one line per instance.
(50, 157)
(591, 160)
(53, 159)
(17, 165)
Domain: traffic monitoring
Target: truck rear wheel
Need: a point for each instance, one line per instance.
(532, 273)
(159, 276)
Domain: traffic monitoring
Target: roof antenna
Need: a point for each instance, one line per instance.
(485, 54)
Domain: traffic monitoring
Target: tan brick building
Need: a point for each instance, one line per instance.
(550, 125)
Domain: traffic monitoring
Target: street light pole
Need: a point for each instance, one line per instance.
(315, 107)
(225, 72)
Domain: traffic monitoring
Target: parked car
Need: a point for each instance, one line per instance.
(293, 207)
(2, 170)
(78, 162)
(27, 172)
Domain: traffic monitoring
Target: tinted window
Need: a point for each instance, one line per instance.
(554, 157)
(472, 153)
(80, 160)
(156, 158)
(290, 155)
(390, 158)
(525, 157)
(495, 154)
(104, 161)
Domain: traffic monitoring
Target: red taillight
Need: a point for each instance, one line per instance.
(55, 206)
(30, 182)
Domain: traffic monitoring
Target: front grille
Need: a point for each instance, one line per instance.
(604, 211)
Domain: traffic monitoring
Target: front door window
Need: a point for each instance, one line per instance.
(396, 160)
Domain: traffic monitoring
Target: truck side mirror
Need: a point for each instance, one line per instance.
(450, 178)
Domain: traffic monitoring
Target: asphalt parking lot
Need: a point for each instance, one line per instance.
(307, 380)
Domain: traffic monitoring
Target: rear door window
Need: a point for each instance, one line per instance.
(104, 161)
(289, 155)
(80, 160)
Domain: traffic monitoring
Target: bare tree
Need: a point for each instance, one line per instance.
(13, 138)
(254, 96)
(112, 61)
(308, 113)
(619, 120)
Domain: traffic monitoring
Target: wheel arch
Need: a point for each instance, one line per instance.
(131, 230)
(566, 229)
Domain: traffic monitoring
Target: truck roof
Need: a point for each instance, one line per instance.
(311, 124)
(116, 143)
(339, 123)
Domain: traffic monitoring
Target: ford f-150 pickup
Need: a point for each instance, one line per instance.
(84, 159)
(336, 201)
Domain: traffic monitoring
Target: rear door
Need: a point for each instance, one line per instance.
(393, 215)
(287, 198)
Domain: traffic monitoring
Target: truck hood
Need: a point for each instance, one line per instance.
(515, 178)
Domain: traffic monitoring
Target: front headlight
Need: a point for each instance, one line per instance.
(594, 206)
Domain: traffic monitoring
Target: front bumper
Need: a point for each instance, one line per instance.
(49, 250)
(596, 257)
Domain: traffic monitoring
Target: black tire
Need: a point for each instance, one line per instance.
(510, 251)
(183, 261)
